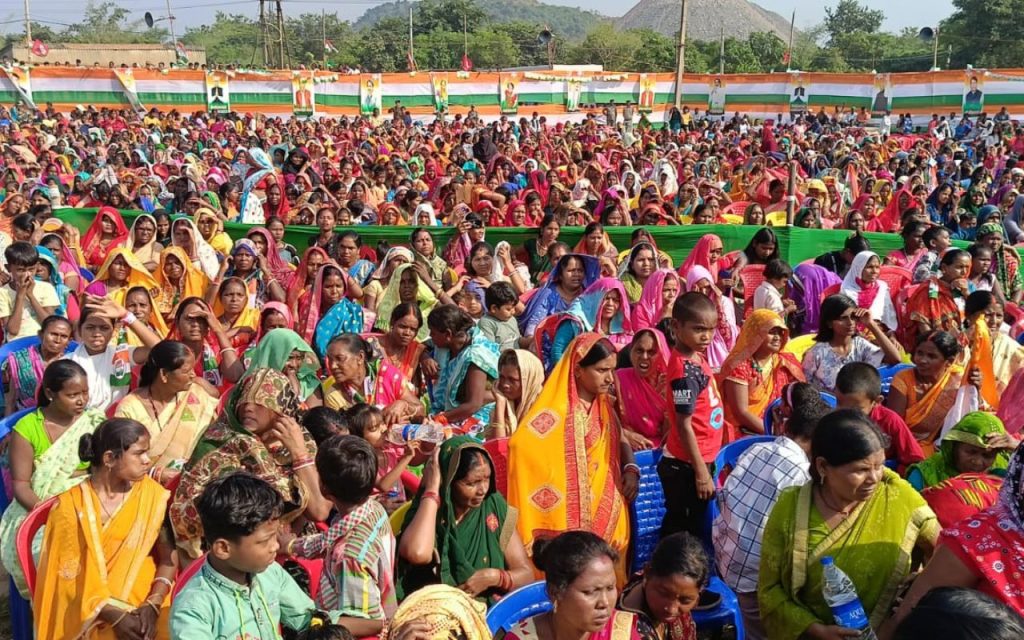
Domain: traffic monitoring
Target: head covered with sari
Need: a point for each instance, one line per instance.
(700, 256)
(646, 396)
(319, 325)
(648, 310)
(726, 329)
(138, 274)
(973, 429)
(275, 349)
(193, 282)
(279, 269)
(391, 298)
(449, 612)
(94, 253)
(874, 297)
(463, 547)
(144, 252)
(589, 308)
(198, 248)
(531, 375)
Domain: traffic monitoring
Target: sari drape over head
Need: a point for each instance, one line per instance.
(874, 297)
(138, 276)
(973, 429)
(193, 282)
(146, 252)
(531, 374)
(650, 306)
(425, 299)
(725, 331)
(645, 399)
(92, 250)
(317, 326)
(273, 352)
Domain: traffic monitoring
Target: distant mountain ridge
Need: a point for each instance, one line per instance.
(566, 22)
(705, 18)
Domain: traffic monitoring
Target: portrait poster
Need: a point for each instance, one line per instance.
(716, 96)
(370, 94)
(303, 93)
(974, 93)
(573, 92)
(798, 93)
(21, 80)
(218, 96)
(508, 92)
(881, 101)
(127, 79)
(439, 82)
(645, 101)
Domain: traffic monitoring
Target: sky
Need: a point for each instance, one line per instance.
(907, 13)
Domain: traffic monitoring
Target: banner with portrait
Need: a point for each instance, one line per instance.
(21, 80)
(508, 93)
(370, 94)
(439, 84)
(645, 99)
(127, 79)
(716, 96)
(303, 93)
(974, 92)
(218, 95)
(573, 93)
(798, 93)
(881, 102)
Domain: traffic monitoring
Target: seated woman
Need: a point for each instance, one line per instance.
(23, 369)
(981, 552)
(913, 245)
(359, 376)
(211, 226)
(120, 272)
(283, 350)
(571, 275)
(701, 280)
(595, 242)
(178, 280)
(486, 265)
(201, 255)
(304, 278)
(110, 532)
(655, 304)
(253, 269)
(142, 242)
(938, 304)
(373, 291)
(838, 342)
(175, 406)
(520, 380)
(140, 302)
(1005, 263)
(400, 345)
(43, 452)
(326, 312)
(757, 370)
(976, 444)
(235, 312)
(1007, 353)
(106, 232)
(640, 264)
(580, 580)
(257, 432)
(602, 309)
(409, 284)
(573, 420)
(644, 399)
(467, 364)
(924, 395)
(197, 327)
(668, 588)
(48, 270)
(459, 530)
(854, 510)
(863, 285)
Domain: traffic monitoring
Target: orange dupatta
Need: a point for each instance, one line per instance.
(981, 358)
(926, 414)
(87, 565)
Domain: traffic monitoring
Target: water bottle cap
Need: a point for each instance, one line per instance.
(827, 561)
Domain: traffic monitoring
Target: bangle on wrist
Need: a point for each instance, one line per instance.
(432, 495)
(631, 466)
(129, 318)
(119, 620)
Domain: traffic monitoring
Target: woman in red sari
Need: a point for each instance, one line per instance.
(938, 304)
(304, 276)
(107, 231)
(644, 398)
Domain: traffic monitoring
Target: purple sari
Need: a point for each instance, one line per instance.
(815, 280)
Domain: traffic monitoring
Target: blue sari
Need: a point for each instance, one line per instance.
(480, 352)
(547, 301)
(344, 317)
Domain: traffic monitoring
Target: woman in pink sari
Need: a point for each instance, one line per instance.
(655, 304)
(700, 279)
(644, 396)
(358, 376)
(705, 254)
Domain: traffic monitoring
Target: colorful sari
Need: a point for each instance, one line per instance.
(68, 307)
(621, 626)
(814, 280)
(25, 368)
(95, 252)
(585, 314)
(273, 352)
(874, 297)
(481, 353)
(649, 307)
(407, 363)
(193, 282)
(973, 429)
(87, 566)
(764, 385)
(317, 327)
(872, 546)
(389, 299)
(461, 547)
(700, 256)
(645, 401)
(175, 432)
(547, 301)
(138, 276)
(926, 414)
(200, 251)
(382, 386)
(227, 446)
(725, 331)
(143, 253)
(585, 492)
(53, 473)
(933, 304)
(296, 285)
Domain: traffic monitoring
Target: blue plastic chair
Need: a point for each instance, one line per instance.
(21, 609)
(17, 345)
(730, 453)
(647, 511)
(727, 612)
(86, 274)
(524, 602)
(829, 399)
(888, 373)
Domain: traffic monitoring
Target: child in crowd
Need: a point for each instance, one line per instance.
(859, 386)
(769, 294)
(240, 592)
(367, 422)
(937, 240)
(323, 423)
(468, 303)
(499, 324)
(25, 302)
(685, 469)
(358, 549)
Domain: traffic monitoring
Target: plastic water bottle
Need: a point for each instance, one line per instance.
(426, 432)
(841, 596)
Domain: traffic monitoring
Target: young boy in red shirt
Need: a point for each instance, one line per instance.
(691, 447)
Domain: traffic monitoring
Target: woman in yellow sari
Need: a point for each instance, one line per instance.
(98, 579)
(211, 227)
(178, 279)
(574, 420)
(174, 404)
(925, 394)
(121, 271)
(236, 313)
(756, 370)
(141, 302)
(142, 241)
(1007, 353)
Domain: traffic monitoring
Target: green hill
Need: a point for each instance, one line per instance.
(566, 22)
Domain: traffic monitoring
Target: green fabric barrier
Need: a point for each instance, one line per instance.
(795, 244)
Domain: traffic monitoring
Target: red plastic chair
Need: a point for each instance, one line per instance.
(411, 482)
(898, 279)
(498, 451)
(186, 575)
(831, 291)
(737, 208)
(752, 276)
(23, 541)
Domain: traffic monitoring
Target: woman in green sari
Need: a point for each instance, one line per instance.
(862, 515)
(977, 444)
(283, 350)
(459, 530)
(44, 453)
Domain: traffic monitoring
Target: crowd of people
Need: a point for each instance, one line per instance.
(236, 434)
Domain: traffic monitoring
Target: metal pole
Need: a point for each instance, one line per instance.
(935, 51)
(681, 55)
(792, 29)
(28, 29)
(791, 190)
(264, 31)
(721, 54)
(280, 34)
(323, 21)
(412, 59)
